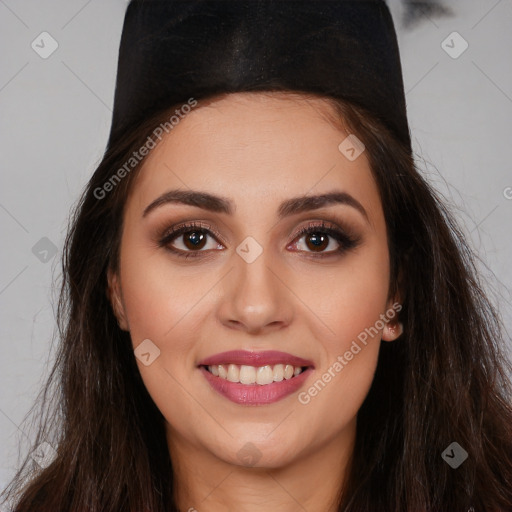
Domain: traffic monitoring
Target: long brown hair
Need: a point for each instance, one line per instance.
(444, 380)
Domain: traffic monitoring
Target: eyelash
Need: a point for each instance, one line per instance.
(345, 240)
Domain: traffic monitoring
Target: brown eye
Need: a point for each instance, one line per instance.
(317, 241)
(189, 240)
(194, 239)
(324, 240)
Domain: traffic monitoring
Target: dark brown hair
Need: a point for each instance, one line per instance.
(444, 380)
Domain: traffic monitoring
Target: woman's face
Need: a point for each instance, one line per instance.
(246, 174)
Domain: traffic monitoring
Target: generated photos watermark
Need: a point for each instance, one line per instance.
(334, 369)
(145, 149)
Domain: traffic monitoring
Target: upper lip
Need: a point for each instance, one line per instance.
(250, 358)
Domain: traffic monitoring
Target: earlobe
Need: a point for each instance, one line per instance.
(115, 298)
(393, 328)
(392, 331)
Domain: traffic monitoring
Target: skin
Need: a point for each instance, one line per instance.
(257, 150)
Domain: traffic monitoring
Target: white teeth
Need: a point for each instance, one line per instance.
(233, 373)
(247, 374)
(265, 375)
(223, 373)
(278, 372)
(288, 371)
(261, 375)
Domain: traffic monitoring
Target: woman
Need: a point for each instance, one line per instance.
(265, 305)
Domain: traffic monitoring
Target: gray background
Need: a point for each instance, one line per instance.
(56, 113)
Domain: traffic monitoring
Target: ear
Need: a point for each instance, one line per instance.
(115, 297)
(393, 328)
(392, 331)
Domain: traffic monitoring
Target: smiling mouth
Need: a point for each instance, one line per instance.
(250, 375)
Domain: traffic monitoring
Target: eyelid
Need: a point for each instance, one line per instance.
(324, 224)
(191, 225)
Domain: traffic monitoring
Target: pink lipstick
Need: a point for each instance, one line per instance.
(255, 378)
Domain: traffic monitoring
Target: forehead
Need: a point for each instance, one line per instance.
(256, 146)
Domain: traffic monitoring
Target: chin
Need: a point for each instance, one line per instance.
(265, 453)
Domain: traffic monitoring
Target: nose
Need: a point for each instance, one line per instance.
(254, 297)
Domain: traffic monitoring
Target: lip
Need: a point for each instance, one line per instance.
(250, 358)
(255, 394)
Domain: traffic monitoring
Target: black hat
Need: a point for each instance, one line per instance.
(173, 50)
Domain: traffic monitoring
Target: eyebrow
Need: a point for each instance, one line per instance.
(287, 208)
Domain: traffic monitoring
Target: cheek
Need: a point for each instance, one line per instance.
(349, 305)
(163, 304)
(350, 297)
(160, 297)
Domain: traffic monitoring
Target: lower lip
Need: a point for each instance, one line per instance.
(255, 394)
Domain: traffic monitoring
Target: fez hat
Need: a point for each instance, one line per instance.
(173, 50)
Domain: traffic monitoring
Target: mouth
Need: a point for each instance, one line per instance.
(255, 378)
(260, 375)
